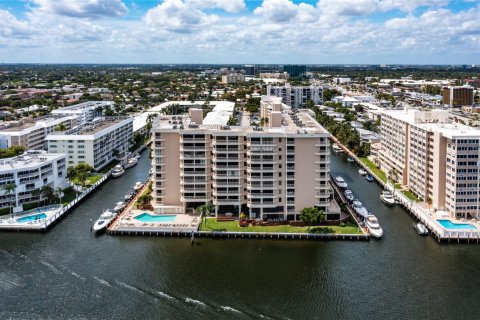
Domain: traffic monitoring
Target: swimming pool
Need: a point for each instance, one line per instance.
(447, 224)
(32, 218)
(145, 217)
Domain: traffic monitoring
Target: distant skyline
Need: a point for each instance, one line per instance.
(240, 31)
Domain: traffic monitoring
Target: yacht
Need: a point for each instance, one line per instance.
(350, 159)
(117, 171)
(150, 172)
(138, 185)
(131, 162)
(340, 182)
(369, 178)
(371, 222)
(105, 218)
(349, 195)
(336, 148)
(137, 156)
(359, 209)
(387, 197)
(420, 228)
(129, 196)
(119, 206)
(362, 172)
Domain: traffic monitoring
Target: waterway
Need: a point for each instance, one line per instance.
(70, 273)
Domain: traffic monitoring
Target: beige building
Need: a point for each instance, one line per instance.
(436, 159)
(457, 96)
(265, 172)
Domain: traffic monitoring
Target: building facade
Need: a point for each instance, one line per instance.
(233, 78)
(250, 69)
(30, 172)
(458, 96)
(31, 133)
(94, 143)
(86, 111)
(263, 172)
(296, 96)
(295, 71)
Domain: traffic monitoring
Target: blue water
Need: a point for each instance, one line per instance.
(145, 217)
(32, 218)
(447, 224)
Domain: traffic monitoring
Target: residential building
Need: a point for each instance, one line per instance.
(31, 133)
(473, 82)
(295, 71)
(436, 159)
(342, 80)
(250, 69)
(233, 78)
(85, 111)
(297, 96)
(30, 172)
(95, 143)
(346, 101)
(265, 172)
(458, 96)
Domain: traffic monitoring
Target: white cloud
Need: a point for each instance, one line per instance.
(232, 6)
(82, 8)
(280, 11)
(10, 26)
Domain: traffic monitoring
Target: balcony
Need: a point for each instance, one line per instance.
(184, 148)
(193, 173)
(261, 169)
(260, 178)
(226, 150)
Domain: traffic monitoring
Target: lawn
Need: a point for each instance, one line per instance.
(214, 225)
(398, 186)
(410, 195)
(379, 173)
(92, 179)
(68, 195)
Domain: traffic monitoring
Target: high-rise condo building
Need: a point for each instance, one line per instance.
(458, 96)
(295, 70)
(296, 96)
(85, 111)
(250, 69)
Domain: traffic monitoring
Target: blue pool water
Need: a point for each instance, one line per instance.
(145, 217)
(447, 224)
(32, 218)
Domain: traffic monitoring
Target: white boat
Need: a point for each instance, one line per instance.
(336, 148)
(387, 197)
(138, 185)
(129, 196)
(137, 156)
(349, 195)
(117, 171)
(150, 172)
(130, 163)
(119, 206)
(340, 182)
(362, 172)
(105, 218)
(359, 209)
(420, 228)
(350, 159)
(371, 222)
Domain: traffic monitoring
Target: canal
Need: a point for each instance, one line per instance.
(70, 273)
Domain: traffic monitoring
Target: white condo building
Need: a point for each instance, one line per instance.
(436, 159)
(265, 172)
(31, 133)
(85, 111)
(296, 96)
(31, 171)
(93, 143)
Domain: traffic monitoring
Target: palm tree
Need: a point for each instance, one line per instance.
(145, 200)
(37, 193)
(61, 127)
(58, 192)
(204, 210)
(47, 193)
(9, 188)
(71, 174)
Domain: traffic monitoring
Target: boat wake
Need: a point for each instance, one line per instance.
(163, 294)
(193, 301)
(50, 266)
(76, 275)
(227, 308)
(129, 287)
(106, 283)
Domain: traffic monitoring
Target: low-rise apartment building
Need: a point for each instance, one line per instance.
(30, 172)
(436, 159)
(85, 111)
(296, 96)
(270, 172)
(31, 133)
(93, 143)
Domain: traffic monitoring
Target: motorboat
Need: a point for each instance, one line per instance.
(340, 182)
(137, 156)
(387, 197)
(117, 171)
(359, 209)
(371, 222)
(369, 178)
(119, 206)
(420, 228)
(336, 148)
(362, 172)
(350, 159)
(105, 218)
(150, 172)
(129, 196)
(349, 195)
(130, 163)
(138, 185)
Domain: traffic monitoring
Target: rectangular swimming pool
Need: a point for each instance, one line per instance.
(34, 217)
(146, 217)
(447, 224)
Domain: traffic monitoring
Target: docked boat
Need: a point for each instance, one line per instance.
(105, 218)
(420, 228)
(371, 222)
(150, 172)
(137, 156)
(340, 182)
(336, 148)
(130, 163)
(350, 159)
(387, 197)
(129, 196)
(359, 209)
(117, 171)
(369, 178)
(138, 185)
(362, 172)
(349, 195)
(119, 206)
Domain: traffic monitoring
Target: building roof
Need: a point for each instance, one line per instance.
(28, 159)
(91, 130)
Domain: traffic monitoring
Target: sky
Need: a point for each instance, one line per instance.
(240, 31)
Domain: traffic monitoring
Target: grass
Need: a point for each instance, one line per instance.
(398, 186)
(379, 173)
(214, 225)
(68, 195)
(91, 180)
(410, 195)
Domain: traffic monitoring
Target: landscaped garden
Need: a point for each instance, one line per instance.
(379, 173)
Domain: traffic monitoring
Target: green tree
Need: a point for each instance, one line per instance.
(61, 127)
(10, 188)
(37, 193)
(204, 210)
(48, 194)
(144, 200)
(311, 216)
(58, 194)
